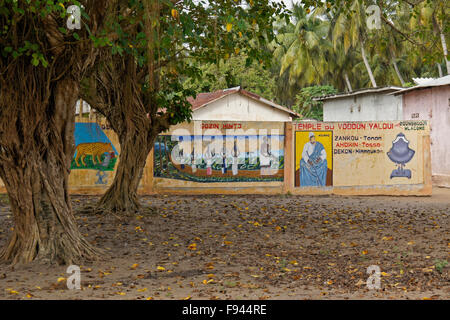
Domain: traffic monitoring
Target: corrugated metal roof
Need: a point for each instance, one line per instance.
(421, 80)
(359, 92)
(444, 81)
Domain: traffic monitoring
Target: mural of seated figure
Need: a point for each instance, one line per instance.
(313, 165)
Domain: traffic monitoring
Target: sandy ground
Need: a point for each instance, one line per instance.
(252, 247)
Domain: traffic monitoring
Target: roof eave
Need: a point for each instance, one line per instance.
(268, 102)
(358, 92)
(252, 96)
(419, 87)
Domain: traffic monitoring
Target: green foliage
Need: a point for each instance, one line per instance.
(407, 45)
(232, 73)
(202, 46)
(440, 265)
(163, 37)
(93, 166)
(13, 13)
(175, 42)
(309, 108)
(303, 44)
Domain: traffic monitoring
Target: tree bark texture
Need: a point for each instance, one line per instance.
(37, 116)
(115, 91)
(35, 161)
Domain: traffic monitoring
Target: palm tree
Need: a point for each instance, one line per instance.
(303, 47)
(432, 17)
(350, 29)
(340, 60)
(340, 68)
(388, 48)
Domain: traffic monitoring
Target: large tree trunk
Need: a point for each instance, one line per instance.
(34, 166)
(366, 63)
(45, 228)
(116, 91)
(37, 110)
(120, 103)
(135, 145)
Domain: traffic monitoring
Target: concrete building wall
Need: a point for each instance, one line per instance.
(267, 160)
(357, 161)
(433, 104)
(359, 157)
(237, 107)
(364, 107)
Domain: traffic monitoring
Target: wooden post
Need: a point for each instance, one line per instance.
(288, 158)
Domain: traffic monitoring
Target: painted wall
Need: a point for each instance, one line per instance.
(96, 157)
(349, 158)
(95, 137)
(364, 107)
(215, 154)
(360, 156)
(433, 104)
(237, 107)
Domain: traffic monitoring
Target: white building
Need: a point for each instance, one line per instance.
(373, 104)
(236, 104)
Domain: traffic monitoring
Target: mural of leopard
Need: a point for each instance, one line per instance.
(95, 149)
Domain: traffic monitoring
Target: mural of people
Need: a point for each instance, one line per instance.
(265, 156)
(313, 165)
(235, 154)
(193, 161)
(224, 160)
(178, 153)
(209, 156)
(102, 177)
(212, 160)
(181, 153)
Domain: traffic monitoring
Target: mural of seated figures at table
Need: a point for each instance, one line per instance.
(313, 159)
(220, 158)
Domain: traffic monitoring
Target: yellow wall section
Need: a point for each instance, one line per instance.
(324, 137)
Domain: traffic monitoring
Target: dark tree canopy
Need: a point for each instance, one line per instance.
(138, 82)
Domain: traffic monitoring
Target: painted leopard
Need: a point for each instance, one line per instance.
(95, 149)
